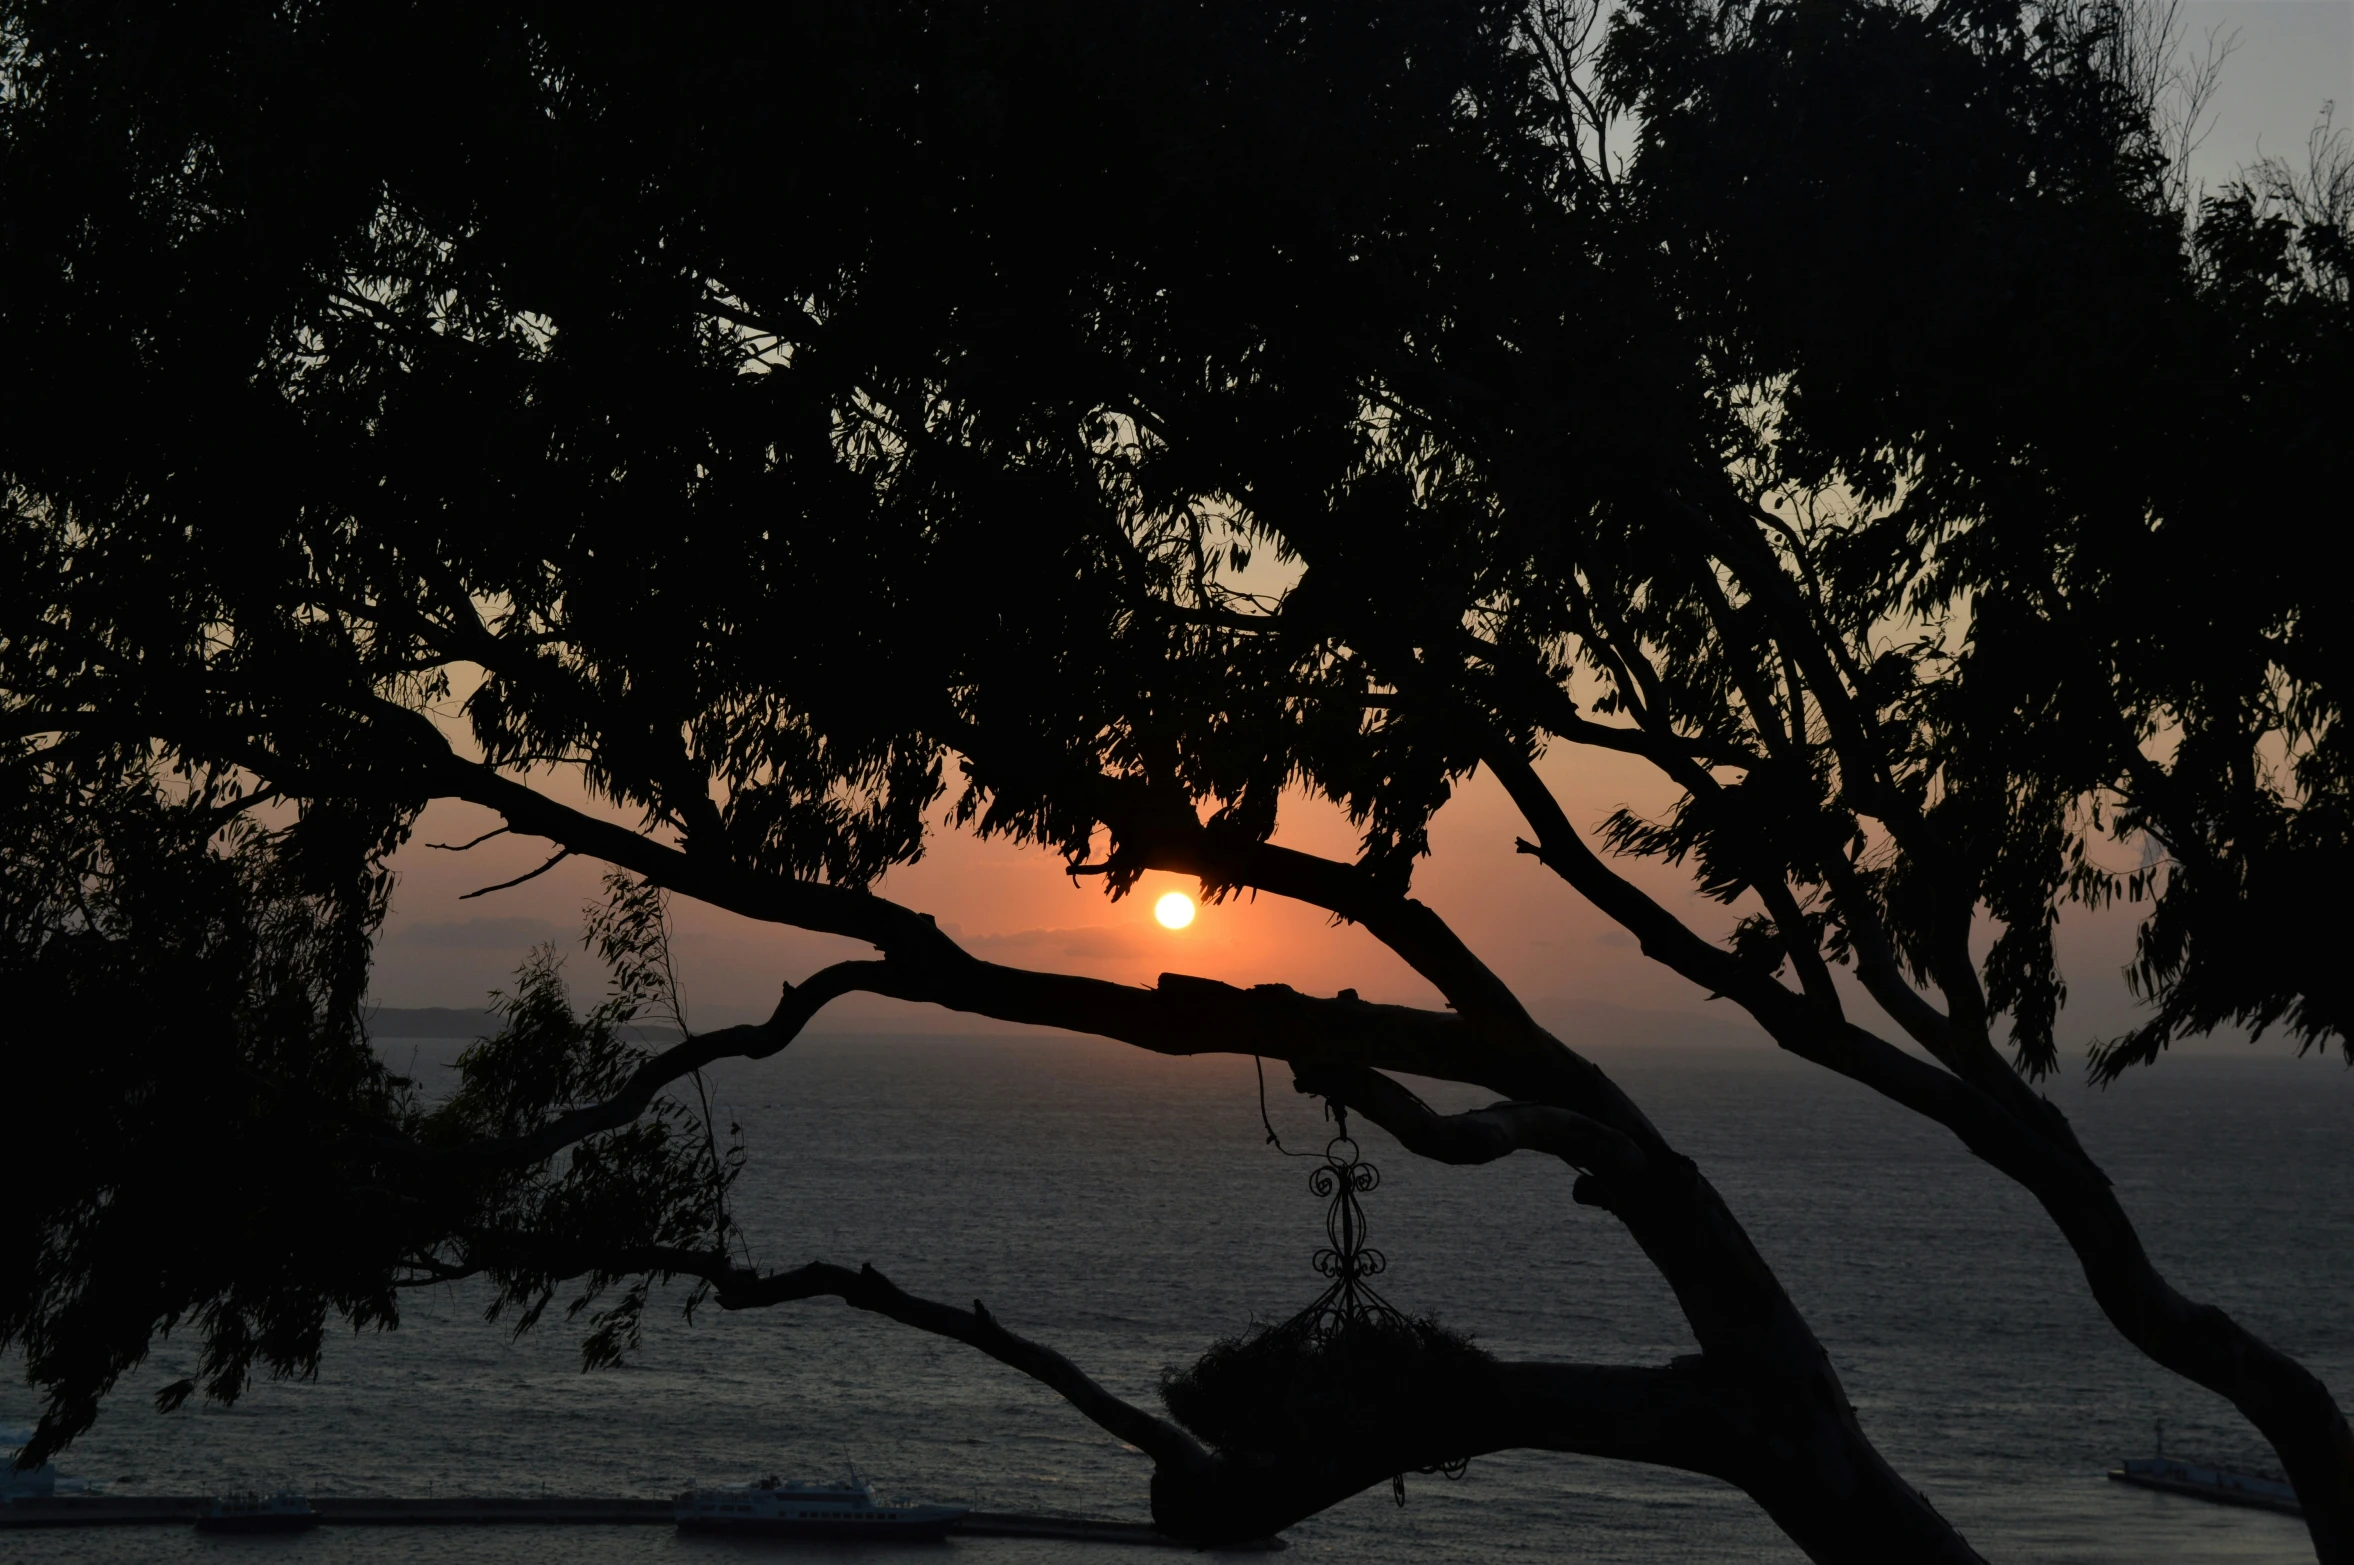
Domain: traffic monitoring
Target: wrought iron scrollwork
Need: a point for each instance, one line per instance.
(1346, 1258)
(1351, 1301)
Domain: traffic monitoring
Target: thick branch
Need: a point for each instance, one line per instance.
(2026, 1138)
(1183, 1016)
(1187, 1016)
(834, 910)
(1663, 937)
(1478, 1136)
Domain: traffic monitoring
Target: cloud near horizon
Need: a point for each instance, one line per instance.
(1083, 942)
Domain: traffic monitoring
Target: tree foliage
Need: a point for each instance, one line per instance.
(784, 419)
(186, 1026)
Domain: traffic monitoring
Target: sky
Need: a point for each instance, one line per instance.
(1576, 970)
(2288, 59)
(1583, 976)
(1013, 904)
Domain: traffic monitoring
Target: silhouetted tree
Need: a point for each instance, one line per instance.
(758, 410)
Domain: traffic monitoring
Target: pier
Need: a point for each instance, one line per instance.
(542, 1511)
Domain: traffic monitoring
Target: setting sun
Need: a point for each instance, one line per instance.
(1175, 910)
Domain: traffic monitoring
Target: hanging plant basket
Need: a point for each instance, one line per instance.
(1350, 1368)
(1377, 1379)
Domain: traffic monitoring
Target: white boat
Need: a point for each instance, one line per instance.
(806, 1508)
(2208, 1483)
(2160, 1471)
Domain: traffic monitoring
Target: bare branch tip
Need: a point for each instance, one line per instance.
(561, 855)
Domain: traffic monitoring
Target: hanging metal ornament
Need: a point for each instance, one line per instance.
(1346, 1258)
(1350, 1303)
(1348, 1375)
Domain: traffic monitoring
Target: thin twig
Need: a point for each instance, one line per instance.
(460, 847)
(561, 855)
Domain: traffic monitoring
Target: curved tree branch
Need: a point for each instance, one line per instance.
(1688, 1415)
(753, 1041)
(2022, 1135)
(1741, 1316)
(868, 1289)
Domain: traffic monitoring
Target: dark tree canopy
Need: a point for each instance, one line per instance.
(1115, 424)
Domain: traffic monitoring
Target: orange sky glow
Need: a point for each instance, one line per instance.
(1015, 905)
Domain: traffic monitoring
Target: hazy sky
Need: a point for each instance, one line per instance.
(1011, 905)
(1014, 905)
(2291, 57)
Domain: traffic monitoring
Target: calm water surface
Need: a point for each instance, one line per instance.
(1123, 1208)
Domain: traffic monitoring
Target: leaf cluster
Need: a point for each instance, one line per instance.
(573, 1223)
(201, 1114)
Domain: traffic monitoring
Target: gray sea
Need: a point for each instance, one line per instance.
(1125, 1209)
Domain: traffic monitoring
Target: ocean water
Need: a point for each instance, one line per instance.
(1124, 1209)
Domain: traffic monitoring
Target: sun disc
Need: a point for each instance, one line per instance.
(1175, 910)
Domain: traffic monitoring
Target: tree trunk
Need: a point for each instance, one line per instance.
(2286, 1402)
(1770, 1415)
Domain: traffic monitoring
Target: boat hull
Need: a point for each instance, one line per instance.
(2208, 1483)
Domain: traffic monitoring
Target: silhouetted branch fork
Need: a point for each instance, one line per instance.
(1183, 1016)
(1681, 1415)
(1685, 1415)
(1864, 744)
(1984, 1123)
(2004, 1122)
(1478, 1135)
(914, 941)
(835, 910)
(755, 1040)
(1683, 756)
(1491, 1040)
(1732, 540)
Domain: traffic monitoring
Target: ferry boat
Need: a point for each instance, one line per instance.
(803, 1508)
(280, 1512)
(2160, 1471)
